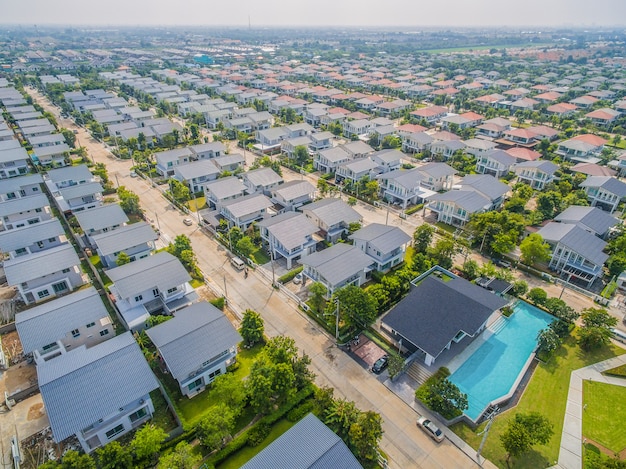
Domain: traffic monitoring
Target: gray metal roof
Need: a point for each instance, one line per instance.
(23, 204)
(338, 262)
(50, 321)
(101, 217)
(500, 156)
(194, 335)
(196, 169)
(85, 385)
(70, 173)
(262, 177)
(577, 239)
(210, 146)
(436, 170)
(32, 266)
(291, 229)
(309, 444)
(608, 183)
(247, 204)
(468, 200)
(335, 154)
(332, 211)
(124, 237)
(225, 187)
(408, 179)
(228, 159)
(30, 234)
(293, 189)
(545, 166)
(13, 154)
(172, 155)
(485, 184)
(273, 133)
(359, 165)
(51, 150)
(434, 312)
(8, 144)
(593, 218)
(160, 271)
(15, 184)
(80, 190)
(382, 237)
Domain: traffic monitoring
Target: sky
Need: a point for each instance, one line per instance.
(454, 13)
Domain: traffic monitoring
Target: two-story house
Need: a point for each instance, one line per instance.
(288, 146)
(46, 274)
(321, 141)
(536, 173)
(32, 238)
(243, 211)
(479, 146)
(355, 170)
(206, 151)
(229, 163)
(167, 160)
(497, 163)
(386, 245)
(270, 139)
(416, 142)
(328, 160)
(17, 213)
(58, 326)
(288, 235)
(436, 176)
(23, 186)
(387, 160)
(221, 190)
(100, 219)
(591, 219)
(157, 284)
(293, 194)
(196, 174)
(196, 345)
(111, 380)
(136, 240)
(605, 192)
(13, 162)
(585, 148)
(402, 187)
(332, 217)
(455, 207)
(54, 155)
(261, 180)
(355, 128)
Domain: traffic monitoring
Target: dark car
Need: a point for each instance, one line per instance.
(380, 364)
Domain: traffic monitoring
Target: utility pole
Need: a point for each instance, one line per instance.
(337, 322)
(485, 433)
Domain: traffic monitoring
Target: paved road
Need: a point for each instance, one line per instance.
(403, 442)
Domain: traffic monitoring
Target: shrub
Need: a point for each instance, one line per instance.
(258, 433)
(414, 209)
(297, 413)
(290, 275)
(218, 303)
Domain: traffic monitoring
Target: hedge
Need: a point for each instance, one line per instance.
(290, 275)
(414, 209)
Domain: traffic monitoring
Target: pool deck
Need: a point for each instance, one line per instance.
(570, 453)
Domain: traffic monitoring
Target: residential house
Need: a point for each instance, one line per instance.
(66, 177)
(288, 146)
(387, 160)
(455, 207)
(479, 146)
(17, 213)
(577, 255)
(386, 245)
(321, 141)
(309, 444)
(196, 346)
(166, 161)
(356, 128)
(58, 326)
(111, 380)
(23, 186)
(243, 211)
(605, 192)
(13, 162)
(437, 314)
(591, 219)
(270, 139)
(488, 186)
(332, 217)
(261, 180)
(403, 187)
(447, 148)
(337, 266)
(196, 174)
(288, 235)
(78, 198)
(358, 149)
(430, 114)
(204, 151)
(100, 219)
(32, 238)
(46, 274)
(536, 173)
(355, 170)
(222, 190)
(416, 142)
(585, 148)
(604, 117)
(136, 240)
(53, 155)
(293, 194)
(328, 160)
(497, 163)
(157, 284)
(493, 128)
(229, 163)
(436, 176)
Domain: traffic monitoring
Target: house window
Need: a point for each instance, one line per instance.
(20, 251)
(40, 244)
(141, 413)
(171, 290)
(115, 431)
(51, 240)
(138, 298)
(104, 332)
(38, 210)
(215, 373)
(65, 271)
(91, 324)
(45, 348)
(75, 333)
(43, 293)
(32, 221)
(155, 292)
(59, 287)
(197, 383)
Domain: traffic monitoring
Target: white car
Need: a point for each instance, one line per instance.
(430, 429)
(298, 278)
(188, 221)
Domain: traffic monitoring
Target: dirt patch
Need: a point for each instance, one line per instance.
(20, 377)
(35, 412)
(606, 451)
(206, 294)
(367, 351)
(12, 347)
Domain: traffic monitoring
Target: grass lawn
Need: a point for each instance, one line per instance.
(163, 417)
(248, 452)
(547, 394)
(260, 256)
(195, 283)
(449, 228)
(196, 204)
(605, 412)
(617, 371)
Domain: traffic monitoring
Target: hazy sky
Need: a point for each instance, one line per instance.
(317, 12)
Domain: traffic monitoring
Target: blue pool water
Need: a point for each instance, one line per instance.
(491, 371)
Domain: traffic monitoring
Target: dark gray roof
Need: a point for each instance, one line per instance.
(50, 321)
(338, 262)
(124, 237)
(160, 271)
(196, 334)
(607, 183)
(85, 385)
(485, 184)
(30, 234)
(382, 237)
(434, 312)
(101, 217)
(23, 204)
(546, 166)
(588, 217)
(290, 228)
(32, 266)
(577, 239)
(309, 444)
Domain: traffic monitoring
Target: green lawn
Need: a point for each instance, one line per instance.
(248, 452)
(546, 393)
(604, 414)
(260, 256)
(195, 283)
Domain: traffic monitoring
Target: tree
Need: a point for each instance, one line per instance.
(147, 443)
(69, 137)
(227, 389)
(301, 155)
(129, 201)
(122, 259)
(391, 141)
(340, 416)
(364, 436)
(182, 457)
(534, 249)
(616, 264)
(318, 296)
(269, 382)
(114, 456)
(396, 365)
(445, 397)
(357, 308)
(443, 251)
(74, 460)
(520, 288)
(548, 340)
(596, 328)
(561, 310)
(245, 246)
(503, 243)
(422, 237)
(251, 328)
(322, 186)
(524, 431)
(537, 295)
(216, 426)
(180, 192)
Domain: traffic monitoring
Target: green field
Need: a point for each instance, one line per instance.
(605, 414)
(487, 47)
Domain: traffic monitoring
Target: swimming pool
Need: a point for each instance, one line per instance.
(491, 371)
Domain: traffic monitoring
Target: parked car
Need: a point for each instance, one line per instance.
(380, 364)
(188, 221)
(298, 278)
(133, 174)
(430, 429)
(237, 263)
